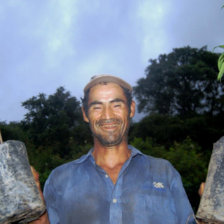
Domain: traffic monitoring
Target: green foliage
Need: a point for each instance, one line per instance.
(55, 129)
(221, 66)
(165, 129)
(181, 83)
(44, 160)
(191, 164)
(55, 121)
(12, 131)
(221, 62)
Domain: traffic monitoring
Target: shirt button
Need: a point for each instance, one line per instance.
(114, 200)
(106, 176)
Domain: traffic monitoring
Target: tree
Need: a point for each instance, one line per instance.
(181, 83)
(12, 131)
(166, 129)
(53, 120)
(163, 129)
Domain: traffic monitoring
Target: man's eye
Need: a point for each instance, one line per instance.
(117, 105)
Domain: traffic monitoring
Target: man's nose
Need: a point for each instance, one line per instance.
(107, 112)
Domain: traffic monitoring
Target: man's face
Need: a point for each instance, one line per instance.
(108, 114)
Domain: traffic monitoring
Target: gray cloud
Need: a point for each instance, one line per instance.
(47, 44)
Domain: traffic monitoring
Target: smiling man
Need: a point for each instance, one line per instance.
(114, 183)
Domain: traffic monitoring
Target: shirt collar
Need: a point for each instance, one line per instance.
(134, 152)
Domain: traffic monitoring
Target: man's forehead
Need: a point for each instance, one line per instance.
(106, 91)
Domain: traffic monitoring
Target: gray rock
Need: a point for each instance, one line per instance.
(211, 208)
(20, 200)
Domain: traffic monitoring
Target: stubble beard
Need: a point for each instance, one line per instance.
(111, 138)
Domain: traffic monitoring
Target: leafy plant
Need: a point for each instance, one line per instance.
(221, 64)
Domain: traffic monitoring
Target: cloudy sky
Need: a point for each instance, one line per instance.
(45, 44)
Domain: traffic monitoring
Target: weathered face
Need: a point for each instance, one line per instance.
(108, 114)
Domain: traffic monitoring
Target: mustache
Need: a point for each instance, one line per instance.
(107, 121)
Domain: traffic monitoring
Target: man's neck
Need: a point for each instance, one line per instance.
(111, 156)
(111, 159)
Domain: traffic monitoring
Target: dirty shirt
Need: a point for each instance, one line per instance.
(148, 191)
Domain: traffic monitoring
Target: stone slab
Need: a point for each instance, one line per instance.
(20, 200)
(211, 208)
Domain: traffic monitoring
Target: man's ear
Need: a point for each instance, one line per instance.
(85, 117)
(132, 109)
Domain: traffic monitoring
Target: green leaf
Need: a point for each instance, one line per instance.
(221, 72)
(221, 67)
(219, 46)
(220, 61)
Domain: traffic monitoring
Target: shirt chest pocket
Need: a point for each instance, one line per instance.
(153, 200)
(157, 196)
(150, 205)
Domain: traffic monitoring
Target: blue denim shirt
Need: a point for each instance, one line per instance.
(148, 191)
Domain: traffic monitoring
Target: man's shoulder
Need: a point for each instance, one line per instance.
(158, 166)
(68, 169)
(153, 161)
(64, 167)
(156, 161)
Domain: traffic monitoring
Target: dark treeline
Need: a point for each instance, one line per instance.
(184, 115)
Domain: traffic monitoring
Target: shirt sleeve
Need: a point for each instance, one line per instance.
(51, 201)
(185, 214)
